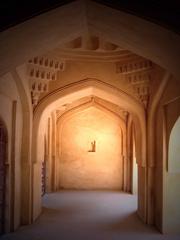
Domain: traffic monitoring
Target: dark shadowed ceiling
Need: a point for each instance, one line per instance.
(160, 12)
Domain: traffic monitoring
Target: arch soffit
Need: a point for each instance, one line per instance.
(89, 87)
(82, 107)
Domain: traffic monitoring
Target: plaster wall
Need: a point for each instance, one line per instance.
(167, 181)
(171, 217)
(22, 72)
(22, 84)
(37, 166)
(11, 115)
(37, 200)
(134, 172)
(78, 167)
(78, 70)
(174, 148)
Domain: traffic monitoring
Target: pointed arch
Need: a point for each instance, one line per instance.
(103, 90)
(89, 87)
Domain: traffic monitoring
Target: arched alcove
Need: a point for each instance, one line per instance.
(91, 151)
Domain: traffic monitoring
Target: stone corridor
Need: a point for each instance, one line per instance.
(88, 215)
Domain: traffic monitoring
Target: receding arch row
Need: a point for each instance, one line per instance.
(102, 90)
(83, 88)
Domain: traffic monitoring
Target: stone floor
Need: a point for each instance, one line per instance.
(91, 215)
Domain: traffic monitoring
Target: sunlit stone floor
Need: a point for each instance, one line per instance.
(90, 215)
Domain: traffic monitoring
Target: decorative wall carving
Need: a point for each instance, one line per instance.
(41, 71)
(139, 75)
(141, 85)
(133, 66)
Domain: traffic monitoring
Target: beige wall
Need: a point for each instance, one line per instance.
(37, 166)
(11, 115)
(171, 218)
(167, 181)
(171, 215)
(174, 149)
(134, 171)
(82, 169)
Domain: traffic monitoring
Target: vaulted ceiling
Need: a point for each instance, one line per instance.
(161, 12)
(85, 29)
(43, 70)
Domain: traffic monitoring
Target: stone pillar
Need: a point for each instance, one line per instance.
(129, 155)
(142, 180)
(13, 152)
(53, 152)
(150, 195)
(48, 165)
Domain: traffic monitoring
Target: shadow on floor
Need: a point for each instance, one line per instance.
(88, 216)
(130, 223)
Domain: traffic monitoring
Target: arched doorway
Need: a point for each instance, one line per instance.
(3, 156)
(83, 89)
